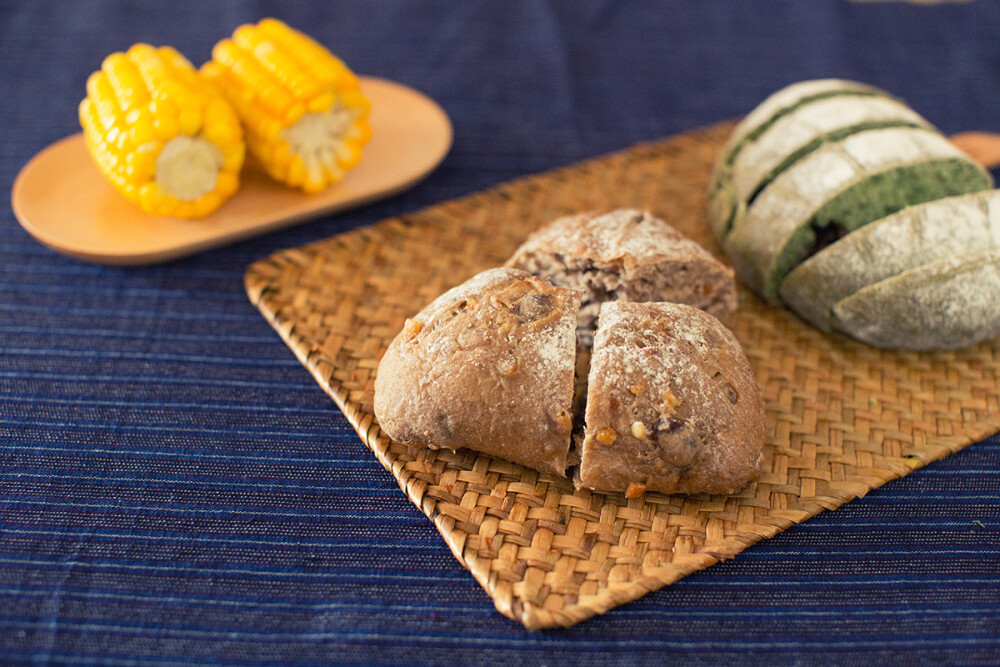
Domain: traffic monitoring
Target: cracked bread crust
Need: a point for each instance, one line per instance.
(672, 404)
(628, 255)
(488, 366)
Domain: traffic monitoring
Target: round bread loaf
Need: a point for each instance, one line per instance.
(628, 255)
(861, 217)
(487, 366)
(672, 404)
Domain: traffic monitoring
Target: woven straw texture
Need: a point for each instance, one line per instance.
(843, 418)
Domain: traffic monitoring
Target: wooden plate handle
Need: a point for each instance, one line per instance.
(984, 147)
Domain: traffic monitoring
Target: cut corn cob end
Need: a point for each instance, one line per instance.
(161, 134)
(305, 115)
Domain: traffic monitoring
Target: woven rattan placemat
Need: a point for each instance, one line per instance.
(843, 418)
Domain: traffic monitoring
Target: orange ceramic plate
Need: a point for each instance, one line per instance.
(63, 201)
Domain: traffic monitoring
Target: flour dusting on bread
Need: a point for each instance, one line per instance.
(628, 255)
(488, 365)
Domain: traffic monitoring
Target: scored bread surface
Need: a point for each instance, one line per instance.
(949, 303)
(672, 405)
(628, 255)
(777, 105)
(915, 236)
(840, 187)
(797, 134)
(786, 100)
(487, 366)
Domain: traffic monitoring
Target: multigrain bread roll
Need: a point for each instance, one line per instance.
(672, 404)
(487, 366)
(626, 255)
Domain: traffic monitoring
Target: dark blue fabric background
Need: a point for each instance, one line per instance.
(175, 488)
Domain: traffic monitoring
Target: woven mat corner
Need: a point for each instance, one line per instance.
(843, 418)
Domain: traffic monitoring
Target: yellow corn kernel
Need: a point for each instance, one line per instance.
(140, 166)
(321, 102)
(280, 156)
(202, 207)
(247, 74)
(165, 125)
(314, 57)
(303, 112)
(228, 183)
(100, 91)
(144, 121)
(190, 121)
(128, 86)
(296, 174)
(185, 209)
(141, 127)
(233, 157)
(278, 62)
(348, 157)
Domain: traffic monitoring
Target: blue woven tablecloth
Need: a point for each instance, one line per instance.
(175, 487)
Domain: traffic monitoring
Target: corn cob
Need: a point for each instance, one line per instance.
(305, 116)
(162, 134)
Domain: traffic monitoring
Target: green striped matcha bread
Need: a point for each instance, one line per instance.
(839, 188)
(758, 121)
(949, 303)
(797, 134)
(834, 198)
(915, 236)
